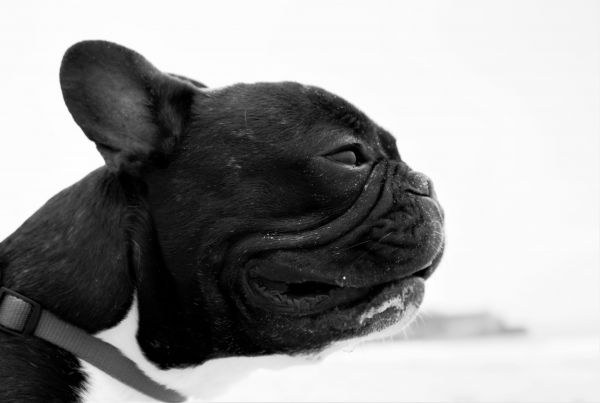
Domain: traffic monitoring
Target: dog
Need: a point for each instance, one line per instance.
(244, 221)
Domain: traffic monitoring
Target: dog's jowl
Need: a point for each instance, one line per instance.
(249, 220)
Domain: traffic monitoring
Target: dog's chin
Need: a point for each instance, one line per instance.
(307, 317)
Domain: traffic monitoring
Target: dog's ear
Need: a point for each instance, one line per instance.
(131, 110)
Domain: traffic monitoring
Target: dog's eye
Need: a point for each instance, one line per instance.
(348, 156)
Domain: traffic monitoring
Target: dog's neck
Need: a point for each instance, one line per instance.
(73, 252)
(83, 255)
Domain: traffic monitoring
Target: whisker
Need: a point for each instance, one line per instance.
(385, 236)
(379, 240)
(357, 244)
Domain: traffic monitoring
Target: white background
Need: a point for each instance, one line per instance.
(498, 102)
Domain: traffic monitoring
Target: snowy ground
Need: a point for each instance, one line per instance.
(510, 369)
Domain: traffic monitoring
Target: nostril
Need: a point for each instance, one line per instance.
(416, 193)
(418, 184)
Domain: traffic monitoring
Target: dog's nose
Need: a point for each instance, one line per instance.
(418, 184)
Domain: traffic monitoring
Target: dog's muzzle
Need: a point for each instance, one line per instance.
(406, 226)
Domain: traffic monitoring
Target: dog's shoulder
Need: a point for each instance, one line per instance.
(35, 371)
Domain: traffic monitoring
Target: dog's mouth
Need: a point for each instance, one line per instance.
(308, 296)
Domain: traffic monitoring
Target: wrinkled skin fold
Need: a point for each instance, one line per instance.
(386, 235)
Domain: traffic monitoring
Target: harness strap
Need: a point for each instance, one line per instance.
(22, 316)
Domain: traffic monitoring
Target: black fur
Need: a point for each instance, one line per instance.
(199, 185)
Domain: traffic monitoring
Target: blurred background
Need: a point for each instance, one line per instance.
(498, 102)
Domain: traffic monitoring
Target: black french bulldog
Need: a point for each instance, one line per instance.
(247, 220)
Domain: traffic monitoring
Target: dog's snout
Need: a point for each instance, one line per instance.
(418, 184)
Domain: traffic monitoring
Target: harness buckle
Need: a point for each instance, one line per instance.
(19, 315)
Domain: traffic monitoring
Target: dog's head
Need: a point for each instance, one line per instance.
(283, 218)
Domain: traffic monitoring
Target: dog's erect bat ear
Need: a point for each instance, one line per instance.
(131, 110)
